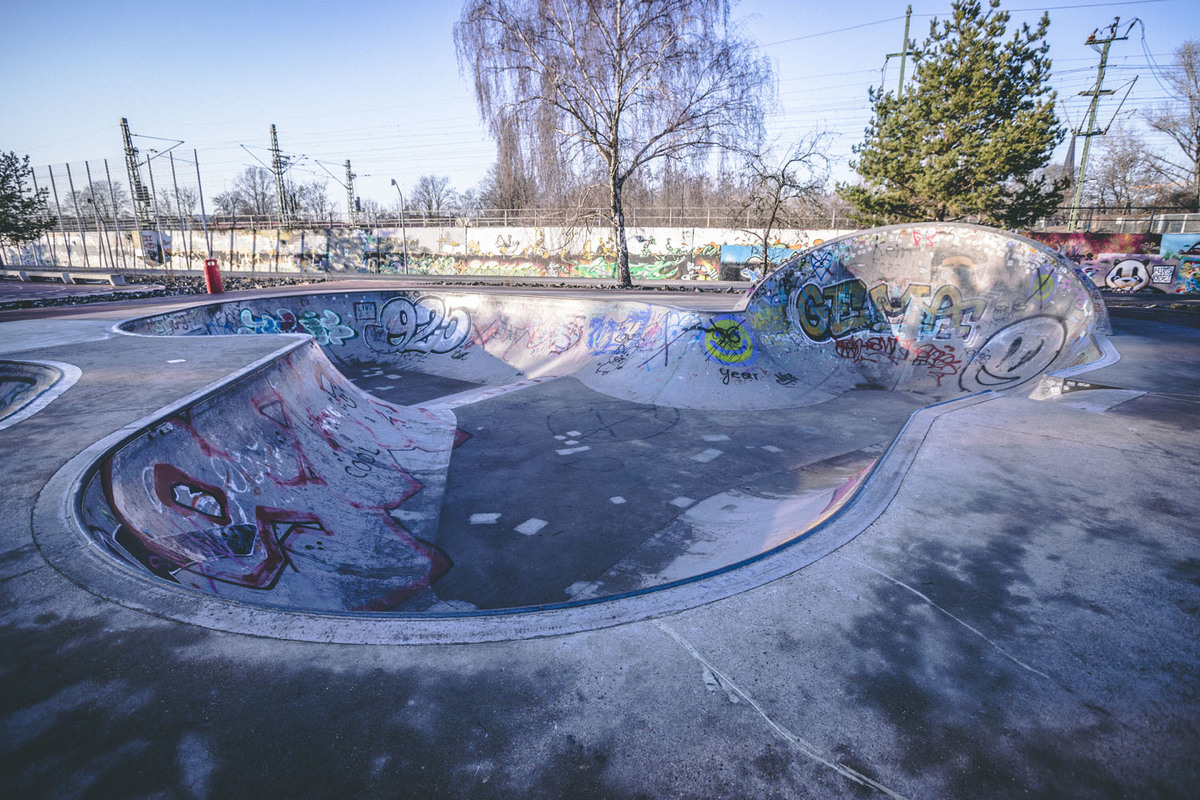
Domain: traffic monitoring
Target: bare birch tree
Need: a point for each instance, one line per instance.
(432, 193)
(1180, 120)
(621, 84)
(780, 187)
(253, 193)
(1124, 176)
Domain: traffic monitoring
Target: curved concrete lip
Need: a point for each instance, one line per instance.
(66, 548)
(47, 380)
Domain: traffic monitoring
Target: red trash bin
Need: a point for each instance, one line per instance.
(212, 277)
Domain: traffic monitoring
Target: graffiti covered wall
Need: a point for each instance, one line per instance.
(549, 252)
(285, 489)
(905, 307)
(933, 309)
(1083, 247)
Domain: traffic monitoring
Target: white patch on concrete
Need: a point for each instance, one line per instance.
(484, 519)
(196, 764)
(715, 437)
(770, 448)
(571, 441)
(616, 501)
(568, 450)
(531, 526)
(574, 433)
(392, 377)
(381, 388)
(682, 502)
(560, 437)
(704, 456)
(713, 684)
(176, 360)
(481, 393)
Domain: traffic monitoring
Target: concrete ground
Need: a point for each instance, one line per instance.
(1018, 617)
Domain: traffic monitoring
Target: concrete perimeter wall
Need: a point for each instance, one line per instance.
(668, 253)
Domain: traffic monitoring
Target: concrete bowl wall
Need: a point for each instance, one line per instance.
(207, 497)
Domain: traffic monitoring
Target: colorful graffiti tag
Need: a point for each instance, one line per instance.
(326, 327)
(294, 499)
(422, 326)
(1083, 247)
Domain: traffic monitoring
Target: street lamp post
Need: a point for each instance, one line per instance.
(403, 227)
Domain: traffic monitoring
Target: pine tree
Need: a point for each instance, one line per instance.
(968, 137)
(23, 214)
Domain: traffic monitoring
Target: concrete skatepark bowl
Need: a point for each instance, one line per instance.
(435, 455)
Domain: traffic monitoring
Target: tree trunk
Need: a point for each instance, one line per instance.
(624, 280)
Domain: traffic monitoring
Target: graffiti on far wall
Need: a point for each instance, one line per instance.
(1081, 247)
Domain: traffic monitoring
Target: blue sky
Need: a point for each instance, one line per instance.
(379, 83)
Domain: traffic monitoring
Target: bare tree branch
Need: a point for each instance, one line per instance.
(574, 87)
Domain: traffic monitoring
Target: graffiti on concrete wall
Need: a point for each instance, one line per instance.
(938, 361)
(1015, 354)
(1084, 247)
(284, 490)
(326, 327)
(674, 253)
(425, 325)
(1125, 272)
(1184, 248)
(937, 302)
(847, 307)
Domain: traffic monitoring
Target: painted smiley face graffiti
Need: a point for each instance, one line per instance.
(1015, 354)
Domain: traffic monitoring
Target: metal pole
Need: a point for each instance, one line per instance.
(100, 232)
(78, 217)
(179, 209)
(58, 208)
(277, 166)
(112, 193)
(136, 190)
(42, 213)
(350, 211)
(403, 225)
(203, 213)
(1096, 93)
(162, 256)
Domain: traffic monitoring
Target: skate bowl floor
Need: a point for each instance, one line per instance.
(419, 456)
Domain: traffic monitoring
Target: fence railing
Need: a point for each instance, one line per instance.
(1135, 219)
(715, 217)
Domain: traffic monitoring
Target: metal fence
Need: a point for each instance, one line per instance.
(108, 213)
(1136, 219)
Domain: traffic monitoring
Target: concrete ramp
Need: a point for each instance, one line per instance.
(291, 487)
(939, 310)
(607, 446)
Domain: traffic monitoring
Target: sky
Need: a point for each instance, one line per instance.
(379, 83)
